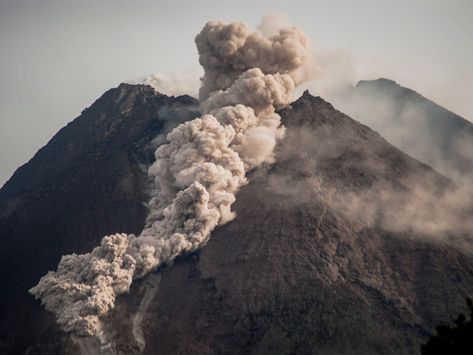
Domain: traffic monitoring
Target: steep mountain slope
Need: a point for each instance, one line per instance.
(294, 274)
(414, 124)
(336, 248)
(88, 181)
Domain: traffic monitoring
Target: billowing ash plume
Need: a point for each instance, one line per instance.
(196, 175)
(226, 51)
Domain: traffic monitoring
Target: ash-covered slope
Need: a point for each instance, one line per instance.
(418, 126)
(88, 181)
(303, 269)
(339, 247)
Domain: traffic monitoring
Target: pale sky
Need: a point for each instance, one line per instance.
(59, 56)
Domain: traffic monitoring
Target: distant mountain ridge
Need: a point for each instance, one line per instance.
(416, 125)
(313, 263)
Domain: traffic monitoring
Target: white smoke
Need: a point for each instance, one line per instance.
(196, 175)
(184, 82)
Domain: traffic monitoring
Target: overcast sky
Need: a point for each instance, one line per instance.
(58, 56)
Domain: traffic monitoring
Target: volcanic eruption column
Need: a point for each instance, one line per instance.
(247, 77)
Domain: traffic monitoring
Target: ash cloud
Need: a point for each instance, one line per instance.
(247, 76)
(172, 116)
(226, 51)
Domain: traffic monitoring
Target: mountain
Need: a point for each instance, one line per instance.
(88, 181)
(343, 246)
(414, 124)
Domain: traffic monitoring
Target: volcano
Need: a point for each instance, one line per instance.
(336, 248)
(414, 124)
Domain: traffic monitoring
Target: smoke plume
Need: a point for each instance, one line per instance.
(247, 77)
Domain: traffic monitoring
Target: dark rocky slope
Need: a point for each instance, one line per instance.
(293, 274)
(87, 182)
(312, 264)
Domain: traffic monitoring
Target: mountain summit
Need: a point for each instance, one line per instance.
(341, 246)
(414, 124)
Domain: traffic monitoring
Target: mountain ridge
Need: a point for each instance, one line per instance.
(295, 272)
(415, 124)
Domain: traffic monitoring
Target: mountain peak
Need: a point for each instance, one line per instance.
(317, 111)
(308, 99)
(380, 81)
(416, 125)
